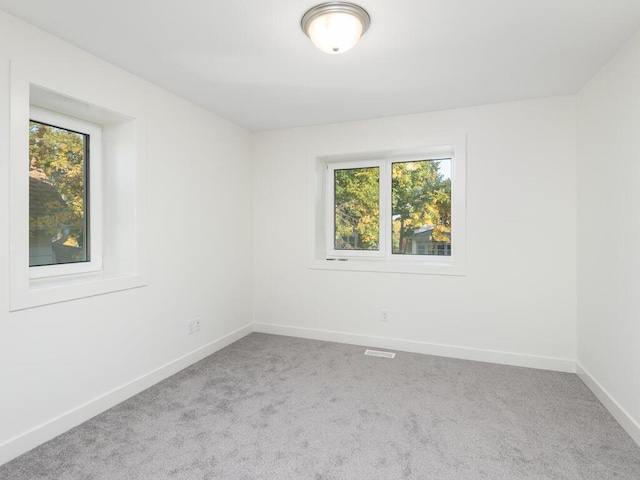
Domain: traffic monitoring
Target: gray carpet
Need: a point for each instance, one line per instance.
(270, 407)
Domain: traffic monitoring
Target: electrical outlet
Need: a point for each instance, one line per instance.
(385, 315)
(193, 325)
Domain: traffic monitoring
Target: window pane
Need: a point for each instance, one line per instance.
(421, 207)
(57, 195)
(357, 209)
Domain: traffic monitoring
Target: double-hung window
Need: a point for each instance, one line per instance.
(64, 195)
(400, 210)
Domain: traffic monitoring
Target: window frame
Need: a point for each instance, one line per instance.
(330, 210)
(324, 161)
(44, 83)
(386, 209)
(93, 199)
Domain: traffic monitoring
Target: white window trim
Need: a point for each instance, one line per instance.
(44, 83)
(95, 194)
(322, 163)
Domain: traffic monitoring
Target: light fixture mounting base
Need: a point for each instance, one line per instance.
(334, 7)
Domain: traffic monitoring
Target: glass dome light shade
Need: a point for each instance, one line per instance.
(335, 32)
(335, 27)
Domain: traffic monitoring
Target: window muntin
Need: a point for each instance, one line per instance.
(65, 217)
(58, 167)
(421, 207)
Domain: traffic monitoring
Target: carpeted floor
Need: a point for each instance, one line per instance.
(278, 408)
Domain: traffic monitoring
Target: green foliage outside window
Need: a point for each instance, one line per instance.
(57, 158)
(421, 196)
(357, 209)
(420, 199)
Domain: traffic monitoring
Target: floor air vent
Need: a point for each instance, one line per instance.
(378, 353)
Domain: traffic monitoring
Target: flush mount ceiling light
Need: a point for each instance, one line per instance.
(335, 27)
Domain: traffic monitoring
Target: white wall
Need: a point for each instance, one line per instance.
(61, 360)
(517, 303)
(61, 363)
(609, 235)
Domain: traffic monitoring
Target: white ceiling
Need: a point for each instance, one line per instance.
(249, 61)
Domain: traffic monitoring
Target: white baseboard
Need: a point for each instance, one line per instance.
(620, 414)
(491, 356)
(51, 429)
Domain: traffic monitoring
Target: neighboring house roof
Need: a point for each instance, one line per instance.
(44, 199)
(426, 233)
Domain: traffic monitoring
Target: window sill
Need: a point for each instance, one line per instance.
(46, 291)
(424, 267)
